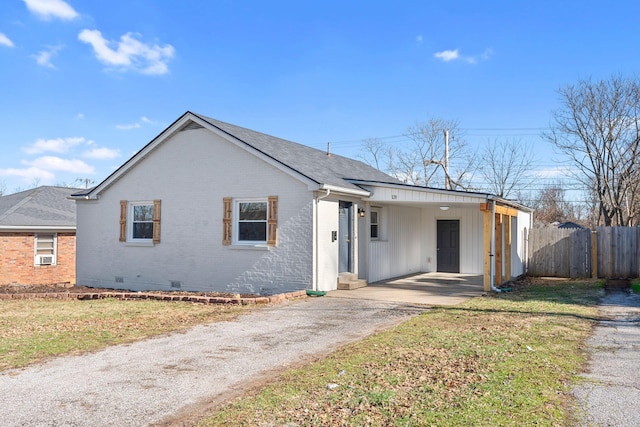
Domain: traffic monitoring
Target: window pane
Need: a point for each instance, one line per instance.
(143, 213)
(255, 211)
(44, 244)
(252, 231)
(374, 231)
(143, 230)
(374, 217)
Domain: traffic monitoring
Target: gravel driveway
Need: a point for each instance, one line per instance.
(611, 390)
(163, 380)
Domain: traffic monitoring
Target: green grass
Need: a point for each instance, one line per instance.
(502, 360)
(32, 330)
(635, 285)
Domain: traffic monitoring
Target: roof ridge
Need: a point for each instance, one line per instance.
(20, 203)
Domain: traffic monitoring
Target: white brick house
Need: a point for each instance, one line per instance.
(209, 206)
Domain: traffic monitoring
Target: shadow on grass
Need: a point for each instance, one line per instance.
(539, 291)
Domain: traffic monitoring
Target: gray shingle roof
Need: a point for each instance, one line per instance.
(315, 164)
(39, 207)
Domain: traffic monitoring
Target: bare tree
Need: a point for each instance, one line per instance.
(423, 161)
(598, 127)
(506, 167)
(551, 206)
(375, 153)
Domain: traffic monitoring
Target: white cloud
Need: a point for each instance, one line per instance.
(48, 9)
(447, 55)
(138, 124)
(129, 126)
(453, 55)
(58, 145)
(560, 171)
(6, 41)
(52, 163)
(102, 153)
(44, 57)
(486, 54)
(80, 116)
(129, 53)
(419, 39)
(29, 174)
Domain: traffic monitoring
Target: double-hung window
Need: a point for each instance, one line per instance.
(140, 221)
(375, 224)
(252, 221)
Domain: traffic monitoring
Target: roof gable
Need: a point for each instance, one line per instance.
(42, 207)
(312, 166)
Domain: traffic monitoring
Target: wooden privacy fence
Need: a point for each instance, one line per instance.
(618, 251)
(607, 252)
(559, 252)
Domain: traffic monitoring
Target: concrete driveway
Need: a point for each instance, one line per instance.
(433, 289)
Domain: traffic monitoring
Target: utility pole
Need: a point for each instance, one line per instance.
(447, 183)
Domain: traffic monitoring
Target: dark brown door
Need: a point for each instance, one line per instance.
(448, 246)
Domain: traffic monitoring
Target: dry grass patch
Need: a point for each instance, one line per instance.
(501, 360)
(31, 330)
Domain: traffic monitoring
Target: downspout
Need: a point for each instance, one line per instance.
(492, 280)
(318, 198)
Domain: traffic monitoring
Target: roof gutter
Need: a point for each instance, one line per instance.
(342, 190)
(38, 228)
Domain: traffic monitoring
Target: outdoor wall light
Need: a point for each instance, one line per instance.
(444, 208)
(361, 212)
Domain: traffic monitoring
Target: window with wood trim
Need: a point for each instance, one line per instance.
(140, 221)
(250, 221)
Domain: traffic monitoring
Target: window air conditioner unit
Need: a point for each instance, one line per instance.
(45, 259)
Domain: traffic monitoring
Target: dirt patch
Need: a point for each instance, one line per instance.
(70, 292)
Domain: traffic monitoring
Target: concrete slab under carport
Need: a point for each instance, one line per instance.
(433, 289)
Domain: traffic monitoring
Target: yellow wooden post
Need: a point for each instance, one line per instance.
(507, 248)
(487, 250)
(498, 253)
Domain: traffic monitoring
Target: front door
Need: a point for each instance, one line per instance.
(344, 237)
(448, 246)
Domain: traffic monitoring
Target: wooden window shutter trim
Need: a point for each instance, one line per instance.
(156, 221)
(272, 223)
(123, 220)
(226, 220)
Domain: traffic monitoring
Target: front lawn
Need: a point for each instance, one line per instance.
(506, 359)
(32, 330)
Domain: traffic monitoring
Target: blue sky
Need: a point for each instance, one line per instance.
(86, 84)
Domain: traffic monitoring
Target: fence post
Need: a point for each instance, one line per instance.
(594, 254)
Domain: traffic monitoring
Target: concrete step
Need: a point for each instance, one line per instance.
(347, 277)
(351, 284)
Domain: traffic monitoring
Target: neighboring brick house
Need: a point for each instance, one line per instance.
(38, 237)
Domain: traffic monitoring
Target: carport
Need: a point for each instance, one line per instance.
(433, 289)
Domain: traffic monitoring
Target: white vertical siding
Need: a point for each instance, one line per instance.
(398, 251)
(471, 237)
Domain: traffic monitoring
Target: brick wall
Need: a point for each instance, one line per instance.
(16, 260)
